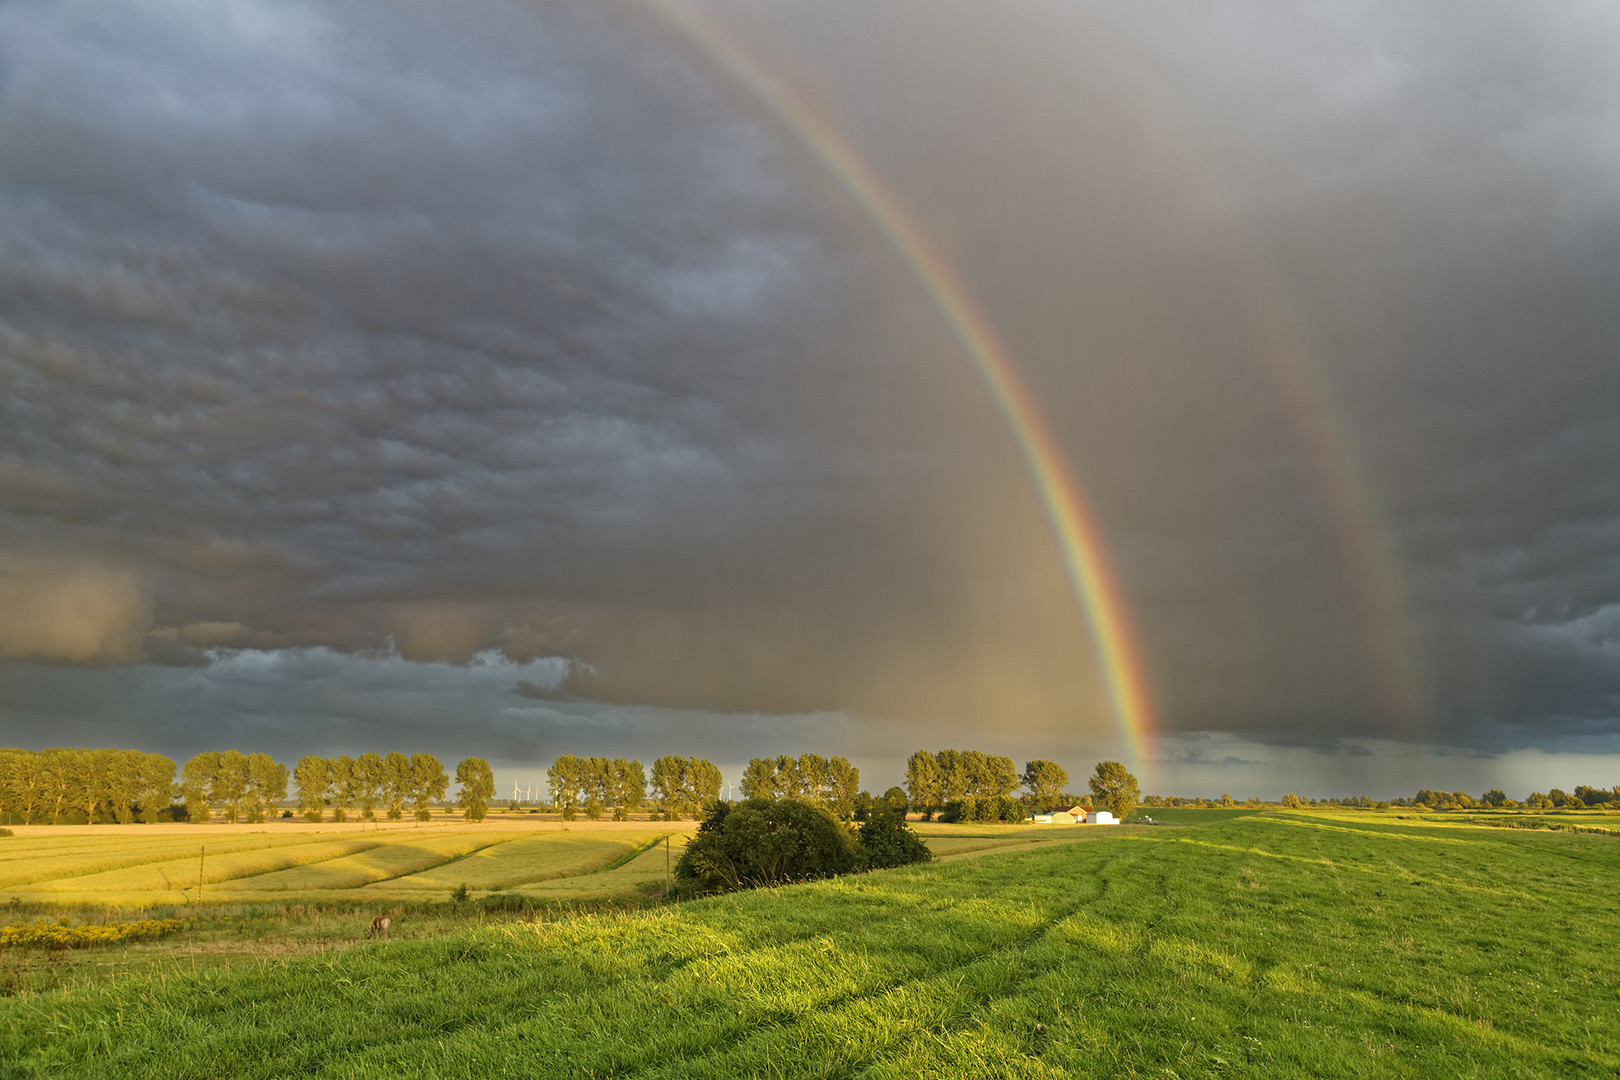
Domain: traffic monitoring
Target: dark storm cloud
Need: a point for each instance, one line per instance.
(307, 306)
(406, 347)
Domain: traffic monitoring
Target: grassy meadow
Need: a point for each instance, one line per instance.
(1229, 943)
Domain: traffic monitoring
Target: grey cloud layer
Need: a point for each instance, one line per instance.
(404, 330)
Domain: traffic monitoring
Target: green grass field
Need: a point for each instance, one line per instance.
(1276, 945)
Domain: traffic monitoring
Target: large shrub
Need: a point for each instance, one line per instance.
(766, 842)
(886, 842)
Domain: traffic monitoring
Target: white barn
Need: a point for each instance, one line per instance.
(1101, 817)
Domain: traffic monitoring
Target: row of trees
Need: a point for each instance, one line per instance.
(831, 783)
(111, 785)
(969, 785)
(39, 787)
(114, 785)
(683, 786)
(360, 786)
(596, 783)
(1583, 797)
(243, 786)
(935, 779)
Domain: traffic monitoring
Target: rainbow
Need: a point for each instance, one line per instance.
(1072, 525)
(1289, 356)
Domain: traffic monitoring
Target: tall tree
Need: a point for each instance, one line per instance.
(954, 783)
(789, 779)
(759, 779)
(92, 778)
(1045, 781)
(669, 785)
(267, 785)
(396, 772)
(59, 766)
(842, 785)
(313, 777)
(922, 783)
(368, 775)
(428, 784)
(230, 784)
(197, 780)
(1114, 787)
(997, 776)
(812, 770)
(702, 783)
(24, 785)
(124, 783)
(593, 773)
(627, 787)
(477, 788)
(565, 778)
(157, 785)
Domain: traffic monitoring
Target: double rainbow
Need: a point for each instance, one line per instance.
(1072, 525)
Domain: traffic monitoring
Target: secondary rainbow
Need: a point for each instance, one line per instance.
(1072, 525)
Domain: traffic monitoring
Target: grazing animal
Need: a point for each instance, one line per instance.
(379, 927)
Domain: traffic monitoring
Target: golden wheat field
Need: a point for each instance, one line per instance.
(151, 865)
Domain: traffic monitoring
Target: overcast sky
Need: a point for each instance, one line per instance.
(503, 378)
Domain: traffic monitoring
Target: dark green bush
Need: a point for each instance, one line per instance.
(887, 842)
(764, 842)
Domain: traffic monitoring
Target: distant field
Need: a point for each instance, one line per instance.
(128, 866)
(151, 867)
(1253, 945)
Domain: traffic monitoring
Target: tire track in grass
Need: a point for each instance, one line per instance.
(179, 852)
(627, 857)
(246, 879)
(183, 867)
(446, 862)
(516, 883)
(961, 1017)
(734, 1039)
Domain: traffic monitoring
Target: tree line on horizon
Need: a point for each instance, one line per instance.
(596, 784)
(680, 788)
(970, 785)
(1584, 797)
(62, 785)
(832, 782)
(40, 787)
(367, 782)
